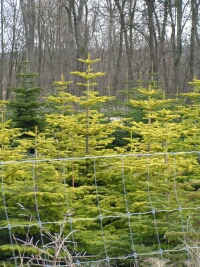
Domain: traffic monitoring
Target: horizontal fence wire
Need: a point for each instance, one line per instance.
(101, 210)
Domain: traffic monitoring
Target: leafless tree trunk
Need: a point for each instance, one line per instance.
(40, 38)
(176, 16)
(28, 9)
(162, 35)
(121, 5)
(194, 12)
(152, 38)
(11, 65)
(2, 51)
(119, 60)
(159, 42)
(77, 21)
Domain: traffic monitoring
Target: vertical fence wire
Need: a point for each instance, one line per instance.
(99, 209)
(179, 204)
(9, 225)
(153, 210)
(134, 254)
(69, 212)
(35, 190)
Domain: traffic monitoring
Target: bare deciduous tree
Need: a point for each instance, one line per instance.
(28, 9)
(2, 51)
(128, 36)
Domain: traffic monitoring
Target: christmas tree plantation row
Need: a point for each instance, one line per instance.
(126, 195)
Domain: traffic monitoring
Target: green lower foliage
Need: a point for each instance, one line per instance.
(126, 204)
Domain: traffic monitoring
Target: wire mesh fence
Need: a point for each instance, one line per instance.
(116, 210)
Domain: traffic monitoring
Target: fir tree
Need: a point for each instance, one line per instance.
(190, 112)
(153, 176)
(25, 108)
(91, 122)
(79, 133)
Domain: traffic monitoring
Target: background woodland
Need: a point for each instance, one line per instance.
(133, 39)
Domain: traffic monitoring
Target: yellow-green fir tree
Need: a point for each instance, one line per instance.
(190, 112)
(159, 176)
(93, 124)
(62, 123)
